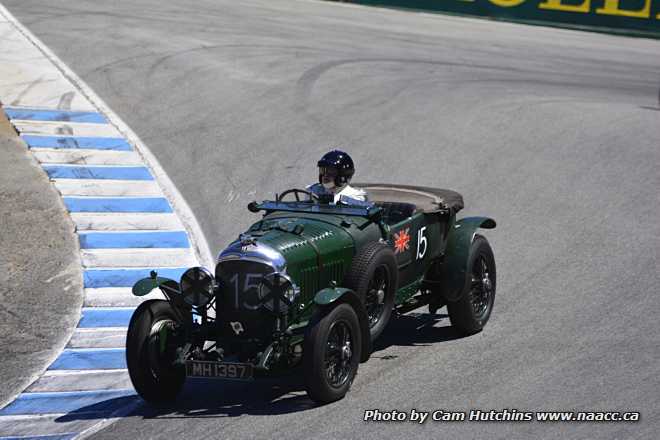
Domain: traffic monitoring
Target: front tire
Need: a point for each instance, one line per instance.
(149, 354)
(470, 313)
(331, 354)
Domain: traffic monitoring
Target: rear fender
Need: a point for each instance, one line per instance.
(454, 269)
(326, 298)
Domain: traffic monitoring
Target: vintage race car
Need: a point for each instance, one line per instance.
(311, 285)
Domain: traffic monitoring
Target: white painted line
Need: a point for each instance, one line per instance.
(116, 296)
(127, 291)
(100, 330)
(82, 380)
(86, 157)
(125, 222)
(50, 373)
(106, 187)
(53, 128)
(112, 337)
(161, 257)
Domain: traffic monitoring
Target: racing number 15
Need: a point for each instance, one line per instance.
(250, 285)
(422, 243)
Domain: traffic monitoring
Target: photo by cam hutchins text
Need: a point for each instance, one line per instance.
(504, 415)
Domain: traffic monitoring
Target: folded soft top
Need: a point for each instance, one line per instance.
(424, 198)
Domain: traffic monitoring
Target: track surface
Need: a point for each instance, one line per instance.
(554, 133)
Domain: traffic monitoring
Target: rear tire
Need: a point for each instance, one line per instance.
(470, 313)
(331, 354)
(375, 262)
(149, 359)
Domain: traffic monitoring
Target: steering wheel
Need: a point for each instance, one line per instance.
(296, 192)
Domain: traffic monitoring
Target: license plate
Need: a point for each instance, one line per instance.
(224, 370)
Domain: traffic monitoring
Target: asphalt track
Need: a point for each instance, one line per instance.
(554, 133)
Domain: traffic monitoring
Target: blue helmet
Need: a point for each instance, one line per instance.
(336, 165)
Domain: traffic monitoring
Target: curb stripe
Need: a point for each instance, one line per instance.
(87, 157)
(117, 204)
(123, 240)
(104, 337)
(107, 179)
(67, 402)
(113, 337)
(90, 359)
(107, 188)
(137, 257)
(61, 129)
(109, 222)
(125, 277)
(76, 142)
(114, 297)
(82, 380)
(97, 172)
(94, 317)
(90, 373)
(31, 114)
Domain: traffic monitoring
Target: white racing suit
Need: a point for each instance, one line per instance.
(347, 193)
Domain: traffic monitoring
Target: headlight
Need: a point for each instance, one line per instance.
(197, 286)
(278, 292)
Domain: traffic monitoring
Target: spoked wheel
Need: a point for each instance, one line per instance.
(373, 276)
(470, 313)
(375, 298)
(331, 353)
(338, 354)
(151, 349)
(482, 289)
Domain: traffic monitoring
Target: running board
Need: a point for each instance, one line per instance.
(418, 301)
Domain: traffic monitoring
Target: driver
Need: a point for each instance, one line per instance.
(335, 172)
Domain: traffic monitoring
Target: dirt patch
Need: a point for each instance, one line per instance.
(40, 272)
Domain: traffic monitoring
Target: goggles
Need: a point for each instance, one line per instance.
(328, 171)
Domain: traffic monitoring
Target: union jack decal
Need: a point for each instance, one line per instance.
(401, 241)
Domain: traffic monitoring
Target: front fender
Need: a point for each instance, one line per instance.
(146, 285)
(334, 295)
(329, 295)
(457, 252)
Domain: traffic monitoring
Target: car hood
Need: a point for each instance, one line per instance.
(297, 246)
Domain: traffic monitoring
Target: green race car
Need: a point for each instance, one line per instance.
(312, 284)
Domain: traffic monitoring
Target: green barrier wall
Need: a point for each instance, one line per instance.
(634, 17)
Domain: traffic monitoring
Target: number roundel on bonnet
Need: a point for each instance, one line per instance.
(197, 285)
